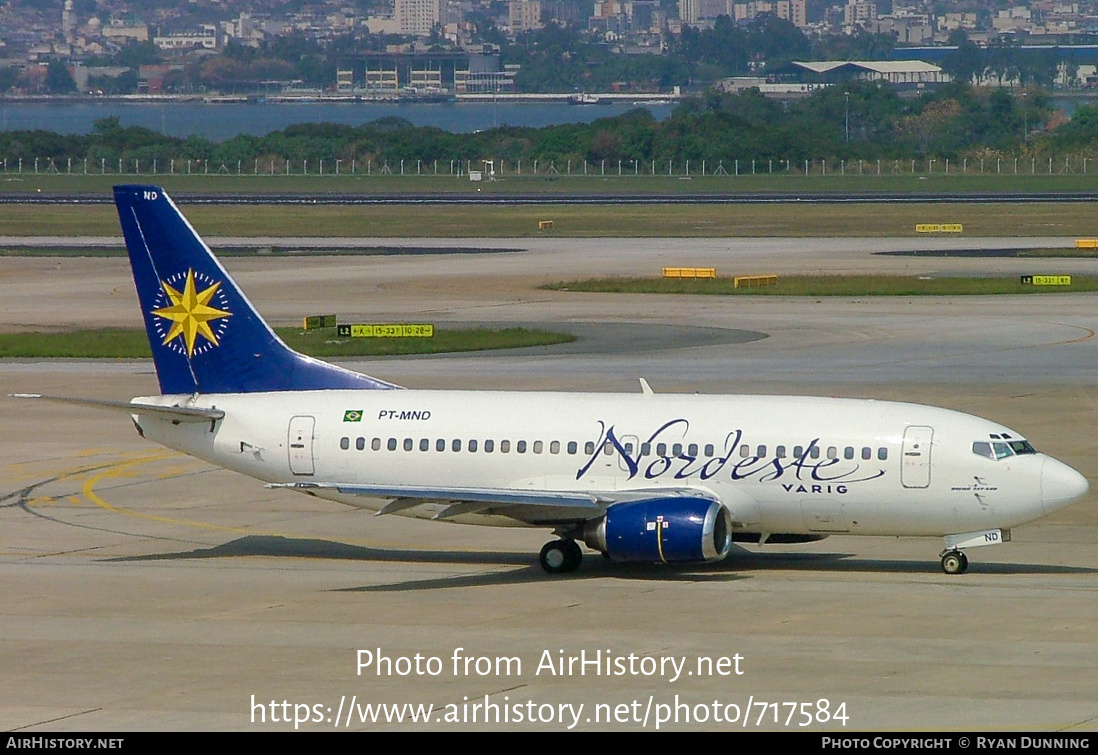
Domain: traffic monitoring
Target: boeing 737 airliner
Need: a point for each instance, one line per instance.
(640, 477)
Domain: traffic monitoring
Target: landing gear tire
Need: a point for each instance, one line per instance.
(954, 562)
(560, 556)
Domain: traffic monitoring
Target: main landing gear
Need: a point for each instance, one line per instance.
(954, 562)
(560, 556)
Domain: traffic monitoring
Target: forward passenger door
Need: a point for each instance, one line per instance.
(915, 468)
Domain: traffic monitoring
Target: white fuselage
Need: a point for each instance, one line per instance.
(780, 464)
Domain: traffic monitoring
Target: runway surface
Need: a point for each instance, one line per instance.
(145, 590)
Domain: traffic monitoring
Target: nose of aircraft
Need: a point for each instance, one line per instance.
(1060, 485)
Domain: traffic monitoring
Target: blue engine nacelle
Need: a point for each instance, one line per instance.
(666, 530)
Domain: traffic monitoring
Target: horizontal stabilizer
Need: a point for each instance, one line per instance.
(178, 413)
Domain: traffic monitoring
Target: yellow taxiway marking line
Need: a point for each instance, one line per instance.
(64, 474)
(126, 469)
(1088, 331)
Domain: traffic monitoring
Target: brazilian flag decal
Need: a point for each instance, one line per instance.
(352, 415)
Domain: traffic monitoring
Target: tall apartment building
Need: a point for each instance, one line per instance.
(858, 13)
(418, 16)
(524, 15)
(794, 11)
(696, 11)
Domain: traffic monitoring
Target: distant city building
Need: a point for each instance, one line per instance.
(426, 79)
(485, 81)
(345, 81)
(703, 11)
(124, 33)
(858, 13)
(68, 21)
(1018, 18)
(748, 11)
(151, 77)
(696, 12)
(524, 15)
(383, 24)
(81, 74)
(381, 79)
(645, 16)
(907, 31)
(903, 74)
(67, 31)
(418, 17)
(245, 29)
(952, 21)
(794, 11)
(427, 72)
(205, 37)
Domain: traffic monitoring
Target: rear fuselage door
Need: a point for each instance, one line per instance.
(915, 469)
(300, 444)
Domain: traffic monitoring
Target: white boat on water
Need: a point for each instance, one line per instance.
(584, 98)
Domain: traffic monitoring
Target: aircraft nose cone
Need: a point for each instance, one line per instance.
(1060, 485)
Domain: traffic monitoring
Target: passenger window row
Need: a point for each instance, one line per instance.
(488, 446)
(672, 450)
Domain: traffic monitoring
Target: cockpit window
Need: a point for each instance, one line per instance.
(980, 448)
(1000, 449)
(1022, 447)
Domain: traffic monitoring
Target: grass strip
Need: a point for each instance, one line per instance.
(826, 285)
(63, 251)
(781, 219)
(260, 251)
(849, 180)
(1065, 253)
(126, 343)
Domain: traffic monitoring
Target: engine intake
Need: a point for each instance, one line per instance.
(667, 530)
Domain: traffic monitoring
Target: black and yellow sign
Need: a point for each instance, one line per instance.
(1046, 280)
(387, 331)
(320, 321)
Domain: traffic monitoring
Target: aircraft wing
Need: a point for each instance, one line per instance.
(531, 506)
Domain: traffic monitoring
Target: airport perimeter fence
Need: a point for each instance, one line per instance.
(489, 169)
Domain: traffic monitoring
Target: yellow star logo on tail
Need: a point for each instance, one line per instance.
(190, 313)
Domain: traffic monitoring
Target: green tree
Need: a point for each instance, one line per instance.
(967, 61)
(8, 77)
(136, 54)
(58, 79)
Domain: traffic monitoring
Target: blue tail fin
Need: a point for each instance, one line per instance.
(205, 335)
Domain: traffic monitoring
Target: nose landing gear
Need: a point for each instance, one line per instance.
(954, 561)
